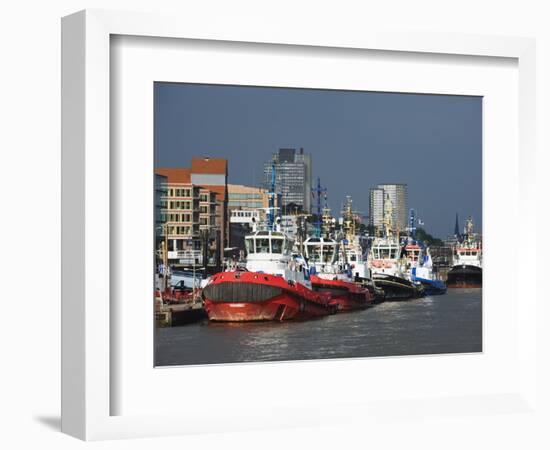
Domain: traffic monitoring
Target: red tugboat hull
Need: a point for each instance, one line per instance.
(253, 296)
(348, 295)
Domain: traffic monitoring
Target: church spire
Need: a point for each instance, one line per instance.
(457, 232)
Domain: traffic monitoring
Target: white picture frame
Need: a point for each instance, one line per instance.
(87, 384)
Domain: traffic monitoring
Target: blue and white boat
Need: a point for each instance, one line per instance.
(423, 273)
(418, 263)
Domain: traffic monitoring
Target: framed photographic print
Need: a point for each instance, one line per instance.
(258, 241)
(272, 223)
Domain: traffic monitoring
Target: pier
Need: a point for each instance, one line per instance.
(168, 315)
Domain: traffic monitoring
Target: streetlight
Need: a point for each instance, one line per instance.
(190, 243)
(164, 250)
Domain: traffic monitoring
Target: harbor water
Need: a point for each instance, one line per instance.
(450, 323)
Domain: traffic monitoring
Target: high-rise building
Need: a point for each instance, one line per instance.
(399, 197)
(376, 207)
(292, 178)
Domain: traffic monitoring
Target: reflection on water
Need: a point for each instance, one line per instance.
(450, 323)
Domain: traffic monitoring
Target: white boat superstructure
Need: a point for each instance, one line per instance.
(322, 255)
(413, 260)
(352, 250)
(419, 264)
(385, 257)
(469, 251)
(270, 251)
(467, 256)
(385, 251)
(358, 264)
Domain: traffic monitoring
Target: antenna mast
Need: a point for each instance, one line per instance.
(271, 196)
(317, 191)
(412, 222)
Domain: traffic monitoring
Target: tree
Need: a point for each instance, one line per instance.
(422, 235)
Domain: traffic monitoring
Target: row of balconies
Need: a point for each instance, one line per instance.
(194, 198)
(186, 256)
(194, 232)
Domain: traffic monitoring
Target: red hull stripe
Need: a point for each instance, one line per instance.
(284, 307)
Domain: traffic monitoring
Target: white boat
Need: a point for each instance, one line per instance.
(330, 270)
(386, 264)
(352, 250)
(467, 260)
(419, 268)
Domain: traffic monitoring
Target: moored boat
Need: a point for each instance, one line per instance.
(465, 276)
(398, 288)
(347, 294)
(467, 261)
(331, 270)
(431, 284)
(257, 296)
(419, 267)
(386, 265)
(275, 285)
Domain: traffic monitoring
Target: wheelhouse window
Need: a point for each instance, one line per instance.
(314, 253)
(262, 245)
(276, 245)
(328, 253)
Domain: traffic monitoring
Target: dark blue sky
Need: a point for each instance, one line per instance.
(356, 139)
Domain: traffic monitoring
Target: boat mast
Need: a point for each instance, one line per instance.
(327, 220)
(412, 221)
(317, 191)
(388, 217)
(349, 220)
(271, 196)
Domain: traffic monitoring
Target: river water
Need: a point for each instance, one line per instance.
(450, 323)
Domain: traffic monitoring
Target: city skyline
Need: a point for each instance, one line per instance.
(432, 143)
